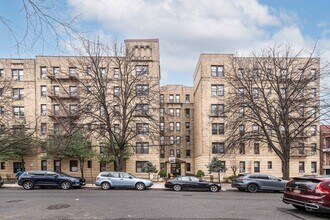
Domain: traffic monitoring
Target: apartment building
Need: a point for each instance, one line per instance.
(325, 149)
(45, 93)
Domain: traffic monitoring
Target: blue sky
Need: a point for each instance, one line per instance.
(185, 28)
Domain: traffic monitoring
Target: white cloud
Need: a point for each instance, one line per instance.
(188, 28)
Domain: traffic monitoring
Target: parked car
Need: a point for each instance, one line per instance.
(256, 182)
(108, 180)
(82, 180)
(31, 179)
(1, 182)
(309, 193)
(191, 183)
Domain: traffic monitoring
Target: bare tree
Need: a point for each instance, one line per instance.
(119, 99)
(274, 98)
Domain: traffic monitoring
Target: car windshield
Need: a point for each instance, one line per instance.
(132, 175)
(62, 174)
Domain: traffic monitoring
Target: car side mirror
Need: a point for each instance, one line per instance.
(130, 177)
(279, 179)
(200, 180)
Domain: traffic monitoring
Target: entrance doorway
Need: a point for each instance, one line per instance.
(327, 172)
(176, 169)
(18, 166)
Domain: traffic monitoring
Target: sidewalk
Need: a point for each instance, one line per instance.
(157, 185)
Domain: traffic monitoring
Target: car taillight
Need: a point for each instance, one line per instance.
(97, 178)
(320, 189)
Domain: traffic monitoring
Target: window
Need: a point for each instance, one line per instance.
(301, 148)
(162, 153)
(217, 71)
(56, 128)
(255, 74)
(142, 148)
(301, 167)
(177, 98)
(142, 90)
(73, 165)
(161, 97)
(187, 98)
(241, 92)
(142, 109)
(241, 148)
(43, 72)
(73, 109)
(142, 128)
(284, 73)
(255, 129)
(162, 112)
(218, 148)
(255, 92)
(313, 167)
(188, 153)
(44, 165)
(269, 147)
(171, 152)
(18, 112)
(270, 165)
(43, 92)
(73, 90)
(241, 129)
(313, 148)
(43, 128)
(116, 128)
(2, 110)
(162, 126)
(18, 94)
(188, 167)
(102, 111)
(187, 125)
(178, 126)
(241, 111)
(171, 98)
(256, 148)
(240, 73)
(116, 91)
(1, 73)
(256, 166)
(171, 126)
(178, 140)
(89, 164)
(178, 153)
(187, 112)
(103, 167)
(57, 165)
(171, 139)
(2, 165)
(162, 140)
(89, 71)
(72, 71)
(141, 70)
(242, 166)
(268, 92)
(1, 91)
(314, 112)
(116, 73)
(313, 130)
(188, 139)
(313, 93)
(313, 74)
(102, 73)
(56, 71)
(217, 90)
(116, 110)
(140, 165)
(43, 109)
(18, 74)
(177, 112)
(171, 111)
(217, 110)
(56, 90)
(218, 128)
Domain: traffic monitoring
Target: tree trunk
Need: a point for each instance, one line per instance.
(219, 176)
(149, 175)
(82, 163)
(286, 169)
(121, 159)
(23, 164)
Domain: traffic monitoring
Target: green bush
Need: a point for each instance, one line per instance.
(200, 174)
(230, 178)
(162, 173)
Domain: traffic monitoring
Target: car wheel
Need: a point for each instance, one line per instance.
(299, 207)
(28, 185)
(105, 185)
(177, 188)
(253, 188)
(65, 185)
(140, 186)
(214, 188)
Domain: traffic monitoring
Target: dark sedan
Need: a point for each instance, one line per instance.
(191, 183)
(82, 180)
(31, 179)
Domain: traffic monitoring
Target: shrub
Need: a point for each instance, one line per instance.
(200, 174)
(162, 173)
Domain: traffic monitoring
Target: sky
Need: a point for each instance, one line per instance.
(185, 28)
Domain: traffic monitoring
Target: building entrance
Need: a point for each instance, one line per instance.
(176, 169)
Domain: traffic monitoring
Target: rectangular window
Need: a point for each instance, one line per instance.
(102, 73)
(301, 167)
(43, 128)
(73, 91)
(178, 140)
(255, 129)
(73, 165)
(56, 71)
(1, 73)
(217, 71)
(171, 112)
(218, 148)
(256, 166)
(73, 109)
(2, 165)
(187, 125)
(162, 126)
(313, 74)
(18, 94)
(171, 98)
(241, 111)
(116, 73)
(217, 110)
(18, 75)
(72, 71)
(161, 98)
(142, 109)
(255, 93)
(171, 126)
(217, 90)
(44, 165)
(240, 92)
(177, 98)
(116, 110)
(218, 128)
(162, 112)
(270, 165)
(187, 98)
(57, 165)
(178, 153)
(142, 128)
(301, 148)
(178, 126)
(162, 153)
(313, 93)
(56, 128)
(142, 148)
(171, 139)
(103, 166)
(1, 91)
(89, 164)
(313, 130)
(18, 112)
(142, 90)
(43, 72)
(242, 166)
(241, 148)
(43, 91)
(177, 112)
(188, 167)
(140, 165)
(313, 167)
(116, 128)
(116, 91)
(188, 153)
(187, 112)
(269, 147)
(43, 109)
(141, 70)
(171, 152)
(256, 148)
(241, 129)
(313, 149)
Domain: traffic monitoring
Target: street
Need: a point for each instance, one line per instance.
(150, 204)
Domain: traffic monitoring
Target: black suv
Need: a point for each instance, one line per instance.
(31, 179)
(1, 181)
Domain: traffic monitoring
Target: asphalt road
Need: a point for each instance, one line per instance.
(150, 204)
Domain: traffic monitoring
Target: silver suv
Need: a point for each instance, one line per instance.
(256, 182)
